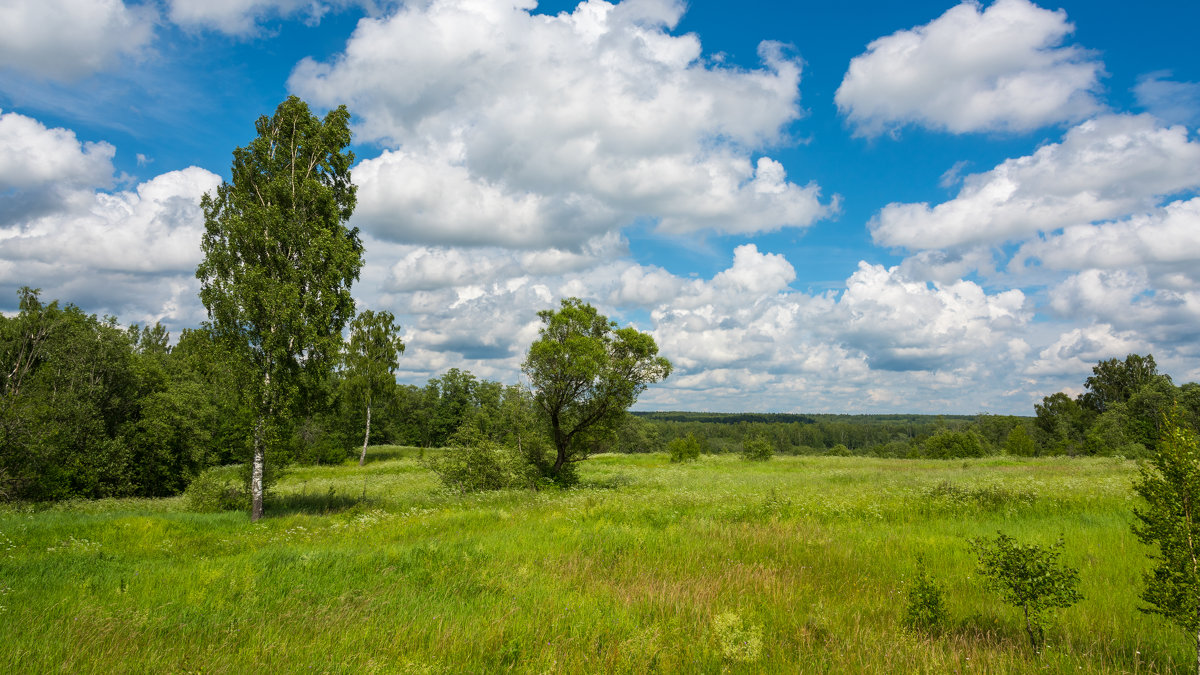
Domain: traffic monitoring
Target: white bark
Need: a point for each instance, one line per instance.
(362, 459)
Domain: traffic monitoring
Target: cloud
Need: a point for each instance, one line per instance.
(511, 129)
(1105, 168)
(999, 69)
(1077, 350)
(1169, 100)
(130, 253)
(69, 39)
(243, 17)
(34, 157)
(906, 325)
(1166, 240)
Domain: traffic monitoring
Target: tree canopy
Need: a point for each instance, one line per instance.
(585, 373)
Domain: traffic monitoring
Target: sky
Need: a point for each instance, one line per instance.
(813, 207)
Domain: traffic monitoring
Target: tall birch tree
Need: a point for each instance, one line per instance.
(279, 260)
(371, 360)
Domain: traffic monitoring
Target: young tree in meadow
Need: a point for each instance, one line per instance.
(1170, 521)
(279, 260)
(1028, 577)
(586, 372)
(371, 360)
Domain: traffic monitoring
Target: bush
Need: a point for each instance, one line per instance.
(839, 450)
(757, 449)
(925, 611)
(216, 490)
(947, 444)
(475, 463)
(684, 449)
(1027, 577)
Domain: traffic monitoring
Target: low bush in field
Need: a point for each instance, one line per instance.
(757, 449)
(684, 449)
(475, 463)
(216, 490)
(947, 444)
(926, 610)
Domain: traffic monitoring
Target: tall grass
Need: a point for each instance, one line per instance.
(377, 569)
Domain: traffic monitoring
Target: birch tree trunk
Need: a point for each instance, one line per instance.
(256, 474)
(362, 459)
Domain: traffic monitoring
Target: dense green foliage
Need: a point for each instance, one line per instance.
(1169, 521)
(91, 409)
(686, 449)
(926, 608)
(279, 261)
(757, 449)
(585, 373)
(1028, 577)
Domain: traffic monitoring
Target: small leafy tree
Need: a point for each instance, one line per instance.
(1170, 521)
(926, 610)
(1028, 577)
(371, 360)
(585, 373)
(684, 449)
(757, 449)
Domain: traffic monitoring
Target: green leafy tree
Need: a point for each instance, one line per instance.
(684, 448)
(1169, 484)
(1019, 443)
(1062, 423)
(586, 372)
(947, 444)
(279, 260)
(926, 609)
(1028, 577)
(1116, 381)
(371, 359)
(757, 448)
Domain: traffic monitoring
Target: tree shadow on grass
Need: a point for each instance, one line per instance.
(316, 503)
(384, 453)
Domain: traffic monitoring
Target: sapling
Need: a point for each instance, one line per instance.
(1028, 577)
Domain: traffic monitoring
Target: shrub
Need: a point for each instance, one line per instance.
(684, 449)
(475, 463)
(1027, 577)
(925, 611)
(947, 444)
(839, 450)
(757, 449)
(215, 490)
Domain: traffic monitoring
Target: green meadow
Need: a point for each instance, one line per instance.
(799, 564)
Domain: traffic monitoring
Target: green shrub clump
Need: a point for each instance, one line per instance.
(476, 463)
(757, 449)
(926, 610)
(216, 490)
(686, 449)
(947, 444)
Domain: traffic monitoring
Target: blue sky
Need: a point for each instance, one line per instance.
(814, 207)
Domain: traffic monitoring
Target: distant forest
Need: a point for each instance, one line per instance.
(90, 408)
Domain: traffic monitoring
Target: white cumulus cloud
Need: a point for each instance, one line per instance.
(1002, 68)
(1105, 168)
(68, 39)
(513, 129)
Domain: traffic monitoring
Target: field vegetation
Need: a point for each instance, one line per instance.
(716, 565)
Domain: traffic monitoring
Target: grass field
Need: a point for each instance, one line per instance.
(792, 565)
